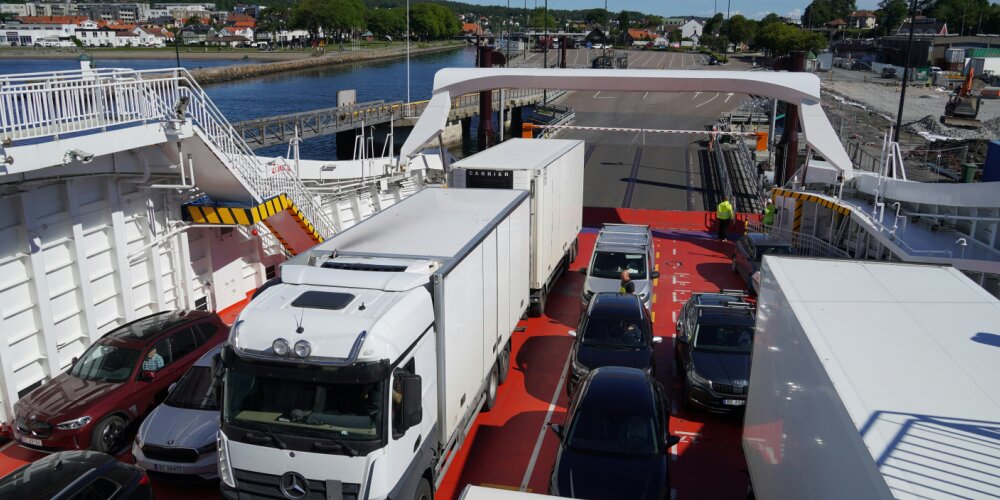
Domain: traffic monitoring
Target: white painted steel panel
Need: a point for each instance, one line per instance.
(490, 297)
(873, 380)
(463, 337)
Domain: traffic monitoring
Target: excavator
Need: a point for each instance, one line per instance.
(962, 107)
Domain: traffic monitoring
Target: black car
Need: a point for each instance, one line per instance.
(616, 439)
(77, 475)
(713, 347)
(615, 330)
(750, 250)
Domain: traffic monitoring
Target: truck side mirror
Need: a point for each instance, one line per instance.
(412, 404)
(654, 274)
(583, 271)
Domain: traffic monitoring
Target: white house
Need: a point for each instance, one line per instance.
(92, 34)
(692, 29)
(46, 31)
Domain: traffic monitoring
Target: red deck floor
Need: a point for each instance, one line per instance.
(511, 447)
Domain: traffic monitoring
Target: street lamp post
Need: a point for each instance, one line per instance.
(906, 72)
(177, 50)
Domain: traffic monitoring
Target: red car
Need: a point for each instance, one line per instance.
(115, 383)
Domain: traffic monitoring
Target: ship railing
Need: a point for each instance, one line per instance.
(802, 244)
(40, 105)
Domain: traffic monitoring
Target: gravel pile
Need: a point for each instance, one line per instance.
(923, 109)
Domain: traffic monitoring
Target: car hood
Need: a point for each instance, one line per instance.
(64, 396)
(582, 475)
(179, 427)
(595, 357)
(723, 368)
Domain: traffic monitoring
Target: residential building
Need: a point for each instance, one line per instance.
(836, 24)
(38, 9)
(924, 26)
(862, 19)
(126, 12)
(195, 34)
(692, 29)
(472, 29)
(94, 34)
(39, 30)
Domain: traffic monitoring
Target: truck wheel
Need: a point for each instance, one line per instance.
(491, 390)
(109, 435)
(574, 250)
(504, 362)
(423, 491)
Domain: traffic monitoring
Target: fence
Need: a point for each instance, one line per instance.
(802, 244)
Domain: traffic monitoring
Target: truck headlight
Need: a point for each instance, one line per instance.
(225, 469)
(579, 370)
(72, 425)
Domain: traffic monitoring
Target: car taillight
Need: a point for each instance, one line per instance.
(144, 479)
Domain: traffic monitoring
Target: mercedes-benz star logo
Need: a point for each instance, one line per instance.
(294, 486)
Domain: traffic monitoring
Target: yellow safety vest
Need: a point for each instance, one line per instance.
(725, 211)
(769, 214)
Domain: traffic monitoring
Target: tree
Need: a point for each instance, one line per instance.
(540, 20)
(962, 16)
(596, 16)
(653, 22)
(312, 16)
(273, 20)
(891, 14)
(433, 21)
(623, 21)
(675, 35)
(387, 22)
(192, 21)
(780, 39)
(820, 12)
(738, 29)
(714, 25)
(770, 19)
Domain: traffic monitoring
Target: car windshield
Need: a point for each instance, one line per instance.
(611, 265)
(612, 332)
(194, 390)
(724, 338)
(341, 411)
(613, 433)
(772, 250)
(105, 363)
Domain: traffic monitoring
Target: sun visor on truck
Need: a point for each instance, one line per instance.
(319, 276)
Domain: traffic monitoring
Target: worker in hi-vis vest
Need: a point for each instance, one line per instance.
(769, 210)
(725, 215)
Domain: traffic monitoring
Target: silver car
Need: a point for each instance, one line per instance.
(178, 437)
(621, 247)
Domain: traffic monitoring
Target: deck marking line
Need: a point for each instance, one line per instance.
(675, 296)
(673, 452)
(696, 94)
(695, 434)
(728, 96)
(673, 316)
(652, 316)
(708, 101)
(645, 96)
(545, 423)
(675, 251)
(673, 279)
(654, 298)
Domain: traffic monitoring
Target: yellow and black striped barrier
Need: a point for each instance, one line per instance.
(209, 213)
(801, 197)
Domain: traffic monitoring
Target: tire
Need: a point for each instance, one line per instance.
(423, 491)
(491, 390)
(574, 250)
(109, 435)
(504, 363)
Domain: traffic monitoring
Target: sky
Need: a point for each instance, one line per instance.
(754, 9)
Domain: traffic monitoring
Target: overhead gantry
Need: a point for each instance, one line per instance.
(799, 89)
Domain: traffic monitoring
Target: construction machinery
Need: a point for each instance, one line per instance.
(962, 107)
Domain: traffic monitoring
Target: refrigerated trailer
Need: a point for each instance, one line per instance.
(873, 380)
(552, 171)
(360, 372)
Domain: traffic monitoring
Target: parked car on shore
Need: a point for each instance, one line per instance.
(115, 383)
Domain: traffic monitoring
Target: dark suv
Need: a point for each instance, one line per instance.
(713, 347)
(77, 475)
(749, 252)
(615, 330)
(116, 382)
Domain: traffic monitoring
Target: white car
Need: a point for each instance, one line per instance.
(178, 437)
(621, 247)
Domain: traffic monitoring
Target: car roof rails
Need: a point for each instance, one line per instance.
(727, 305)
(733, 291)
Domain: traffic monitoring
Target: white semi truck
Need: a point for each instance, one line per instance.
(873, 380)
(552, 170)
(360, 372)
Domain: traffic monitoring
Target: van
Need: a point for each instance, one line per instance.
(621, 247)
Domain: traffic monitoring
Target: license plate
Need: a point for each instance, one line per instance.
(31, 441)
(174, 469)
(734, 402)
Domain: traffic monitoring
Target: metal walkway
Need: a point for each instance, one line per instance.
(273, 130)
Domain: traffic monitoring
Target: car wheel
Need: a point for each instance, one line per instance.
(423, 490)
(109, 435)
(491, 390)
(504, 364)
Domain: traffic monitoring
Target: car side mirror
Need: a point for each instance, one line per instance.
(147, 376)
(672, 441)
(657, 340)
(558, 429)
(654, 274)
(412, 404)
(572, 333)
(74, 360)
(583, 271)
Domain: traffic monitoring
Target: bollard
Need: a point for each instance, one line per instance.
(527, 131)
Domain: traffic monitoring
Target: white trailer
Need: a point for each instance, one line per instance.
(552, 170)
(361, 371)
(873, 380)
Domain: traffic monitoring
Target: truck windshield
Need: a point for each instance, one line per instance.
(613, 433)
(341, 411)
(724, 338)
(611, 265)
(612, 332)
